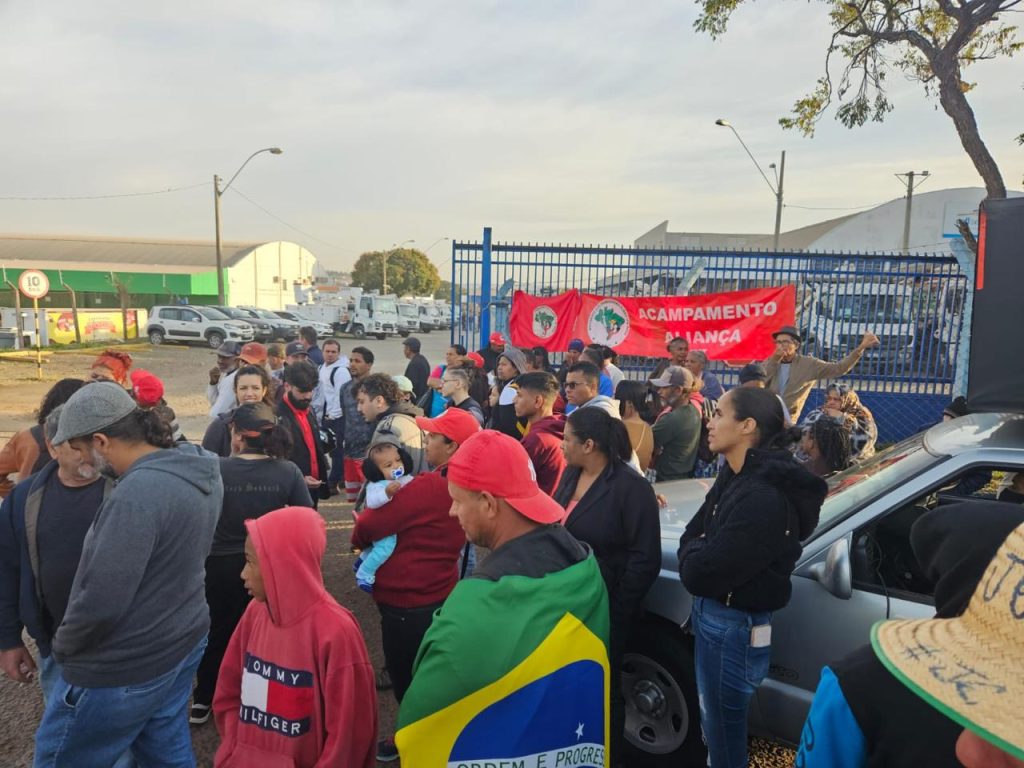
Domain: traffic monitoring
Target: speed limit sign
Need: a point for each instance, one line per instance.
(34, 284)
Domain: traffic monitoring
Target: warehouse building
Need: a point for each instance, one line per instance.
(101, 270)
(130, 275)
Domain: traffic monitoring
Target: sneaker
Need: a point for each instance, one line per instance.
(386, 751)
(199, 713)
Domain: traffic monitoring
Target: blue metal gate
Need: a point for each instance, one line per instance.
(914, 303)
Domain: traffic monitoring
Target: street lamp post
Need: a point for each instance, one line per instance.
(217, 193)
(384, 263)
(775, 188)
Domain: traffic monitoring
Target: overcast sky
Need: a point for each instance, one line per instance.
(550, 121)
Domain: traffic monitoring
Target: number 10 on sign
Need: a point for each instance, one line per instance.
(35, 285)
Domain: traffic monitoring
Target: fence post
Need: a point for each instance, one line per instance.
(963, 357)
(485, 290)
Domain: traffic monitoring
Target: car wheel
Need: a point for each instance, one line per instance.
(156, 336)
(359, 332)
(404, 334)
(381, 336)
(660, 688)
(214, 339)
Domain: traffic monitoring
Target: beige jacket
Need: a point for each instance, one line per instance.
(804, 372)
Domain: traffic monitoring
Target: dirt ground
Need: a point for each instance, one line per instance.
(184, 373)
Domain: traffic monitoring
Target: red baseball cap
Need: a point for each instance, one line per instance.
(497, 338)
(477, 359)
(147, 388)
(455, 424)
(498, 464)
(254, 353)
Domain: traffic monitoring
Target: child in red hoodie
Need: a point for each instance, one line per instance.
(296, 686)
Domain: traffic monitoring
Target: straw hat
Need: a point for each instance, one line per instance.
(970, 668)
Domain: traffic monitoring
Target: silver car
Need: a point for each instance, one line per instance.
(857, 568)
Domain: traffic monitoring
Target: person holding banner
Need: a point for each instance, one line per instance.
(791, 375)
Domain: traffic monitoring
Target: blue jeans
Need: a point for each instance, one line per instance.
(94, 727)
(338, 454)
(729, 670)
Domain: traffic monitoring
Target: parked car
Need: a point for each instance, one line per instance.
(323, 330)
(857, 568)
(281, 327)
(262, 330)
(191, 323)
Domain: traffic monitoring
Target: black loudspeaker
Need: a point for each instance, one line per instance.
(996, 373)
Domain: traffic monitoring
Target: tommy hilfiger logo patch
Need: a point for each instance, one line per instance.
(275, 698)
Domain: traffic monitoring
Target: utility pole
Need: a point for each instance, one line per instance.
(220, 259)
(910, 176)
(778, 200)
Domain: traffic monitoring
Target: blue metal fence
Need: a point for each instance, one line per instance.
(913, 303)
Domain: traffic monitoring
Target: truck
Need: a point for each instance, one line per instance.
(355, 312)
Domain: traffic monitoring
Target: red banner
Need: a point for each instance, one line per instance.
(544, 321)
(727, 326)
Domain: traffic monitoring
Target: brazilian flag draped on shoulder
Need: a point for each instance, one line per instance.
(513, 674)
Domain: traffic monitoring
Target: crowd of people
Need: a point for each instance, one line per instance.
(167, 582)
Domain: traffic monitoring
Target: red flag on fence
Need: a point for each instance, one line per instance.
(544, 321)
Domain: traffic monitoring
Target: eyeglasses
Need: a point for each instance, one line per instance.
(574, 384)
(785, 343)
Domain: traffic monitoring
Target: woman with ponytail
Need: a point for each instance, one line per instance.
(736, 557)
(258, 478)
(613, 508)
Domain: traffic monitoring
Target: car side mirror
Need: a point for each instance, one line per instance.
(835, 574)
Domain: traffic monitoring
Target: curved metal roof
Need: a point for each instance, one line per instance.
(979, 430)
(137, 254)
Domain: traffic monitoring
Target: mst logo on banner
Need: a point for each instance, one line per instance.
(544, 321)
(728, 326)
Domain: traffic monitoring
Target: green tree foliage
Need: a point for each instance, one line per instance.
(409, 272)
(444, 292)
(930, 41)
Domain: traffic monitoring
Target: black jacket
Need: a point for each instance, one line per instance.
(742, 545)
(618, 517)
(300, 453)
(418, 371)
(218, 435)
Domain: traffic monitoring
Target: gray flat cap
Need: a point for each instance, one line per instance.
(92, 408)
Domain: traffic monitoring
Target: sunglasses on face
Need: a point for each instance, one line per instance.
(574, 384)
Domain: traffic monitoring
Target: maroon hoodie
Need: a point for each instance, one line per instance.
(543, 443)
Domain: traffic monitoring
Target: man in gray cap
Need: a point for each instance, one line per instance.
(135, 626)
(48, 514)
(221, 391)
(791, 375)
(676, 433)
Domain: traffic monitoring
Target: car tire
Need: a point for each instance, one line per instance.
(156, 336)
(381, 336)
(214, 339)
(659, 685)
(404, 334)
(358, 331)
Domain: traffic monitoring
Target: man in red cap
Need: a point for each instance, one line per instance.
(415, 580)
(532, 618)
(491, 351)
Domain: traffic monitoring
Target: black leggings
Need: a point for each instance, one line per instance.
(227, 598)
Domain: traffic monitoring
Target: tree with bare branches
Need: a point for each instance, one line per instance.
(930, 41)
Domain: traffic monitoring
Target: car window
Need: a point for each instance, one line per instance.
(883, 560)
(211, 314)
(851, 489)
(190, 317)
(169, 313)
